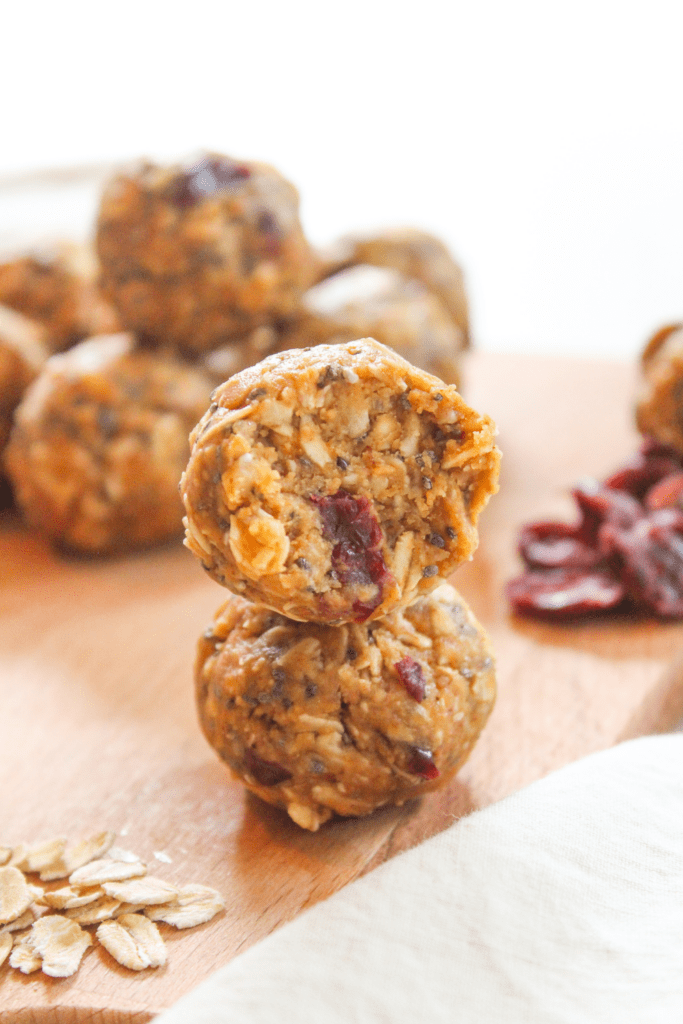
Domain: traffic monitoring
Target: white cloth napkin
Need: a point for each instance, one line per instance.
(562, 903)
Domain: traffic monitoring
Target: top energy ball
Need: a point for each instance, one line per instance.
(194, 256)
(337, 483)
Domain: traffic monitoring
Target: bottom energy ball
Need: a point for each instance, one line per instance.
(324, 720)
(99, 443)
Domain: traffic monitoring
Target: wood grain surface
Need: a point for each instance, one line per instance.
(98, 729)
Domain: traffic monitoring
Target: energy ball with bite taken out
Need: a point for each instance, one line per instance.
(199, 254)
(99, 444)
(337, 483)
(324, 720)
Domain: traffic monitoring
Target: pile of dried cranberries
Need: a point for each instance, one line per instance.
(625, 552)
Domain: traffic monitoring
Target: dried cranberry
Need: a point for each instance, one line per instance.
(598, 502)
(357, 556)
(411, 675)
(421, 762)
(267, 773)
(652, 448)
(564, 593)
(644, 470)
(666, 492)
(555, 545)
(208, 176)
(652, 555)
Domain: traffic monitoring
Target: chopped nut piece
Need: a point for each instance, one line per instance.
(106, 870)
(194, 904)
(134, 941)
(15, 895)
(59, 943)
(147, 891)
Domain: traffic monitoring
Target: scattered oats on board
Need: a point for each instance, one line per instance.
(108, 886)
(15, 895)
(193, 905)
(134, 941)
(147, 891)
(59, 943)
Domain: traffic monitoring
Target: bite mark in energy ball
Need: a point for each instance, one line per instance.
(320, 478)
(319, 719)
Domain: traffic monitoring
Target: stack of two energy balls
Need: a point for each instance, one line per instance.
(333, 490)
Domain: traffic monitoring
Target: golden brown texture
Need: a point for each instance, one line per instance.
(198, 255)
(57, 285)
(23, 351)
(336, 483)
(99, 444)
(398, 311)
(343, 719)
(414, 254)
(659, 405)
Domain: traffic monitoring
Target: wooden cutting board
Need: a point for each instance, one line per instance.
(98, 730)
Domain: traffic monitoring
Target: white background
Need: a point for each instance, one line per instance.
(542, 140)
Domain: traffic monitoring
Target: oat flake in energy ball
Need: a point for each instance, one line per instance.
(337, 483)
(344, 719)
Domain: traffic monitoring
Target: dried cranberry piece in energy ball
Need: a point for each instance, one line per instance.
(421, 762)
(411, 675)
(564, 593)
(208, 176)
(555, 545)
(351, 526)
(651, 551)
(267, 773)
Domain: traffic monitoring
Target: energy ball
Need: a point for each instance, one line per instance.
(336, 483)
(99, 444)
(197, 255)
(414, 254)
(57, 285)
(23, 352)
(397, 311)
(325, 720)
(659, 407)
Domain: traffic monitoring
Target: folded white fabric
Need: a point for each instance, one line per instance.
(562, 903)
